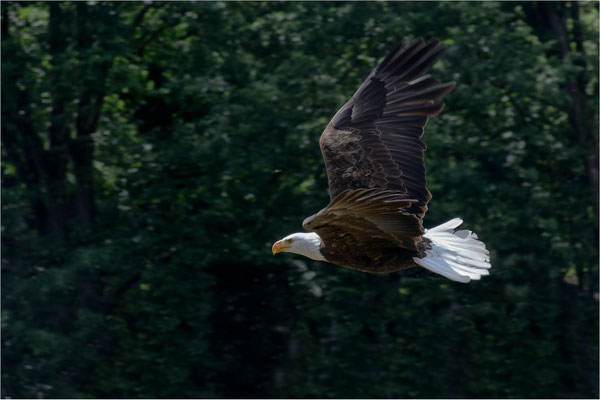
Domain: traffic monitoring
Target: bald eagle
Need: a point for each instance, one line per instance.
(373, 155)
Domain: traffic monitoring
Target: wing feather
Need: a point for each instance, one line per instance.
(372, 214)
(374, 140)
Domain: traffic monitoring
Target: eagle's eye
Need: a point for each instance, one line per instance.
(290, 241)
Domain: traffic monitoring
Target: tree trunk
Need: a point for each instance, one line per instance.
(91, 96)
(57, 156)
(576, 88)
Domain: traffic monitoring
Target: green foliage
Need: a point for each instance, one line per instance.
(143, 268)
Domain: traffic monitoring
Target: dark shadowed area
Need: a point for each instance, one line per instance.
(153, 152)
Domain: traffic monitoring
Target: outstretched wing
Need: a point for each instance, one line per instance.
(368, 217)
(374, 140)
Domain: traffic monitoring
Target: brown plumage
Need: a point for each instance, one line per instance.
(373, 155)
(369, 230)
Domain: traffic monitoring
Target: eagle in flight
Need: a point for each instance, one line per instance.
(373, 155)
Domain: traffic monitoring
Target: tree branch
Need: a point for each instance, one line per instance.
(151, 36)
(137, 20)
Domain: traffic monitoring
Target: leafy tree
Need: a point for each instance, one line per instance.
(152, 152)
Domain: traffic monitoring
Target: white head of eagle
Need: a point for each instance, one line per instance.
(303, 243)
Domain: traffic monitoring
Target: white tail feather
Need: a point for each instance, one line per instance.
(458, 256)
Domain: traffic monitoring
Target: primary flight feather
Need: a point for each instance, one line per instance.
(373, 155)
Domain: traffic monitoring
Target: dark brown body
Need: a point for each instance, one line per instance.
(382, 259)
(369, 230)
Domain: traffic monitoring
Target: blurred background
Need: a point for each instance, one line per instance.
(153, 152)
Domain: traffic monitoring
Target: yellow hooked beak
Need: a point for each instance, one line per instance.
(278, 247)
